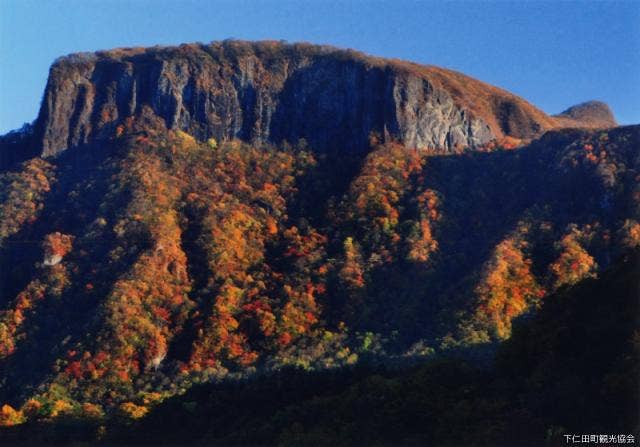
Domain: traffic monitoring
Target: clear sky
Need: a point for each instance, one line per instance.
(554, 54)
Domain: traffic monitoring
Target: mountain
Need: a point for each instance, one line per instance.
(588, 114)
(215, 214)
(270, 92)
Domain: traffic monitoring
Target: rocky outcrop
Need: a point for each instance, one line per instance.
(588, 114)
(270, 92)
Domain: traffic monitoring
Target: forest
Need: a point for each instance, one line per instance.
(161, 289)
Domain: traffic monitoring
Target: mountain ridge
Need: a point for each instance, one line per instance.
(270, 91)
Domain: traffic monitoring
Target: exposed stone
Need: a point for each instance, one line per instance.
(237, 90)
(270, 92)
(51, 260)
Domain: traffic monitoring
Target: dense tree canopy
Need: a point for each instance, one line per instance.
(137, 271)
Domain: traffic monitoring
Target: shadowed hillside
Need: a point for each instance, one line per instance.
(543, 385)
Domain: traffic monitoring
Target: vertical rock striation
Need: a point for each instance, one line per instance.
(270, 92)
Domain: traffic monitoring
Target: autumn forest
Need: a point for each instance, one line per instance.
(163, 284)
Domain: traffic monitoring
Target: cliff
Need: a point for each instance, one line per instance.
(272, 92)
(269, 91)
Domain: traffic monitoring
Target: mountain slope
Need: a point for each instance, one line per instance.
(544, 385)
(170, 261)
(296, 223)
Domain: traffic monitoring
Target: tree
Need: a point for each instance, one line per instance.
(56, 246)
(507, 289)
(351, 273)
(574, 262)
(9, 416)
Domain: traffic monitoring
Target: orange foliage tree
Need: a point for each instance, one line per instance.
(12, 320)
(9, 416)
(56, 246)
(22, 194)
(421, 241)
(507, 289)
(574, 262)
(351, 272)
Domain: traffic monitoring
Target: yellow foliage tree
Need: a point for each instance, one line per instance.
(9, 416)
(133, 411)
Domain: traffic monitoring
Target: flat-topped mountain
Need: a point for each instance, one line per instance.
(272, 91)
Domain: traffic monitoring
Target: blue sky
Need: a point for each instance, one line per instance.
(554, 54)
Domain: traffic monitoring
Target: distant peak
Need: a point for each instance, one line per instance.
(590, 113)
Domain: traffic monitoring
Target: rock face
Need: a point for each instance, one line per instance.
(262, 91)
(270, 92)
(51, 260)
